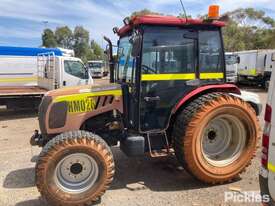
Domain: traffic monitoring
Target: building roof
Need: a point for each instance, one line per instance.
(27, 51)
(165, 20)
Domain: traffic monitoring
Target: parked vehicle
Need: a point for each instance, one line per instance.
(231, 61)
(28, 73)
(157, 103)
(267, 171)
(255, 66)
(98, 68)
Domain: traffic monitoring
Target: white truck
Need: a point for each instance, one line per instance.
(98, 68)
(231, 61)
(26, 74)
(267, 169)
(255, 66)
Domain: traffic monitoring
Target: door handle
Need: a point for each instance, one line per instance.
(152, 99)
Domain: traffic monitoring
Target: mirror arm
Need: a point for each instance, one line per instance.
(111, 59)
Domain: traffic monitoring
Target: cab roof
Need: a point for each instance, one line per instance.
(27, 51)
(165, 20)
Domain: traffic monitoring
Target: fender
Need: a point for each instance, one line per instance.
(230, 88)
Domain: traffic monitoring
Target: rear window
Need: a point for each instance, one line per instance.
(210, 52)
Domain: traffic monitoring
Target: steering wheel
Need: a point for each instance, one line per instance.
(147, 70)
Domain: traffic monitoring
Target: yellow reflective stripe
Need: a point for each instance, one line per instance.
(211, 75)
(18, 79)
(252, 72)
(76, 97)
(271, 167)
(161, 77)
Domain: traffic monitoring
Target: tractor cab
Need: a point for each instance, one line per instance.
(160, 60)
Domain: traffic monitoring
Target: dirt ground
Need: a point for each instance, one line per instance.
(138, 181)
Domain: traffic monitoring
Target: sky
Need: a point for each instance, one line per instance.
(22, 22)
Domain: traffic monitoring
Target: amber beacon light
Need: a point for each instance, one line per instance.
(214, 12)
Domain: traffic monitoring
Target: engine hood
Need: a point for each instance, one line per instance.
(66, 109)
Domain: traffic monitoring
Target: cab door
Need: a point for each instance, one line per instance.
(73, 73)
(211, 57)
(271, 148)
(168, 72)
(126, 76)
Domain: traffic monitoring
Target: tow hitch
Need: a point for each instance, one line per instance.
(36, 139)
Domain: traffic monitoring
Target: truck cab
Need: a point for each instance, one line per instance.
(269, 64)
(60, 71)
(231, 61)
(97, 69)
(267, 170)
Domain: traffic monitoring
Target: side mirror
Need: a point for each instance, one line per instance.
(273, 57)
(238, 60)
(109, 52)
(136, 41)
(86, 72)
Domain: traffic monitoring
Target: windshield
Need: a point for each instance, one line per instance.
(231, 59)
(125, 70)
(95, 65)
(75, 68)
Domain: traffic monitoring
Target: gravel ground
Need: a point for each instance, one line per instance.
(138, 181)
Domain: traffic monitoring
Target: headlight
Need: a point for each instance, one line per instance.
(58, 115)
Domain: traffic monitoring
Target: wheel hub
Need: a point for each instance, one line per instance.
(76, 168)
(212, 135)
(223, 140)
(76, 173)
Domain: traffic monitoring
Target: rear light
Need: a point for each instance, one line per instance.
(266, 135)
(268, 111)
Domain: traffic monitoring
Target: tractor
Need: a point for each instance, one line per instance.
(167, 96)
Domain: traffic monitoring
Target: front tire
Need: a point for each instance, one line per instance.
(74, 168)
(215, 137)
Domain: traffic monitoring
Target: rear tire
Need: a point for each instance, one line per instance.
(215, 137)
(74, 168)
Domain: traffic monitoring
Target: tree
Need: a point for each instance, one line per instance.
(144, 12)
(48, 38)
(248, 29)
(97, 50)
(182, 15)
(78, 40)
(64, 37)
(81, 43)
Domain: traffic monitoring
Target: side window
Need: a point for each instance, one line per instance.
(210, 52)
(126, 62)
(168, 52)
(75, 68)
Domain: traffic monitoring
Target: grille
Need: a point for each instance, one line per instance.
(43, 107)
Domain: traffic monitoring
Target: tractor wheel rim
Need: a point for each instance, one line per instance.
(76, 173)
(223, 140)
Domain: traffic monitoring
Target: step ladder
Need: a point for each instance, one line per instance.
(46, 71)
(159, 153)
